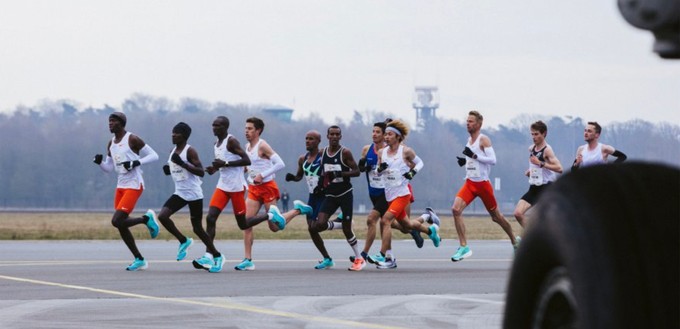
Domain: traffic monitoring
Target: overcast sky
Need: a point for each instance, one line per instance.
(504, 58)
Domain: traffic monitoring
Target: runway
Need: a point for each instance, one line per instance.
(83, 284)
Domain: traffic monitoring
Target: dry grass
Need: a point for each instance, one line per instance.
(97, 226)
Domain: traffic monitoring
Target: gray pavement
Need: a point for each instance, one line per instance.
(83, 284)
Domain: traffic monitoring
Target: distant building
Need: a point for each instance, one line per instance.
(426, 103)
(283, 114)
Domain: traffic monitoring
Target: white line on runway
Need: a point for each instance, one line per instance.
(222, 305)
(89, 262)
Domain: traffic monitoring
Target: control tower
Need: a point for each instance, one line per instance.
(426, 103)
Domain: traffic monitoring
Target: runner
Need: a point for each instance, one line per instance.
(594, 152)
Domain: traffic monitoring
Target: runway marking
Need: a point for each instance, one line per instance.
(468, 299)
(223, 305)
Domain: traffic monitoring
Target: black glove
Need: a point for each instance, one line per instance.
(128, 165)
(461, 161)
(175, 158)
(362, 165)
(409, 175)
(334, 174)
(98, 159)
(382, 167)
(290, 177)
(166, 170)
(468, 152)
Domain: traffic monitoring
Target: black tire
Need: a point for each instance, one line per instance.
(602, 250)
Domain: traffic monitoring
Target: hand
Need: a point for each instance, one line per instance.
(290, 177)
(362, 165)
(461, 161)
(468, 152)
(217, 163)
(129, 165)
(409, 175)
(210, 170)
(98, 159)
(166, 170)
(382, 167)
(176, 159)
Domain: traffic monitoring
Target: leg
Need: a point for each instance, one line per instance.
(252, 208)
(196, 215)
(171, 206)
(457, 209)
(521, 209)
(497, 217)
(371, 221)
(211, 221)
(120, 221)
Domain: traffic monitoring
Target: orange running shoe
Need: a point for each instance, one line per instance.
(358, 264)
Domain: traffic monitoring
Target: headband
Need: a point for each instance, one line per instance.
(394, 130)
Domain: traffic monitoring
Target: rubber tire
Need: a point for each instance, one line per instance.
(601, 250)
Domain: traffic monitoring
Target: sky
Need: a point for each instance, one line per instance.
(503, 58)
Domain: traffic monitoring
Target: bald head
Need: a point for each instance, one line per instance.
(312, 140)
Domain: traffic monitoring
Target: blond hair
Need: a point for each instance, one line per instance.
(477, 115)
(401, 126)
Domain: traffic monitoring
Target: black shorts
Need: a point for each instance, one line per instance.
(345, 202)
(379, 203)
(176, 203)
(534, 192)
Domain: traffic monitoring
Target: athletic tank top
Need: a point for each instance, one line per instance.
(311, 171)
(121, 152)
(376, 186)
(396, 184)
(231, 178)
(338, 186)
(475, 170)
(590, 158)
(187, 185)
(257, 164)
(537, 175)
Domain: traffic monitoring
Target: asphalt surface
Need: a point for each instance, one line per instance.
(83, 284)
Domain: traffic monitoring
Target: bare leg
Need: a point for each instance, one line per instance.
(457, 209)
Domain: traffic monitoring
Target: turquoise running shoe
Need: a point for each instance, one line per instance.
(388, 263)
(277, 218)
(183, 248)
(462, 253)
(325, 264)
(340, 218)
(152, 223)
(137, 265)
(217, 265)
(246, 265)
(304, 208)
(203, 263)
(376, 259)
(434, 235)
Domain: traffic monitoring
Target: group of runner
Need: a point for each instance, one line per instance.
(246, 179)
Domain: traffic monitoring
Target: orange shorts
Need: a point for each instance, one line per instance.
(265, 192)
(483, 190)
(398, 206)
(220, 199)
(125, 199)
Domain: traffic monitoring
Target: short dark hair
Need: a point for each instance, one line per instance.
(224, 119)
(540, 126)
(598, 128)
(257, 122)
(333, 127)
(381, 125)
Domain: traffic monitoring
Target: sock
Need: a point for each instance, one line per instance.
(355, 246)
(270, 216)
(388, 254)
(208, 255)
(331, 225)
(364, 254)
(425, 217)
(217, 255)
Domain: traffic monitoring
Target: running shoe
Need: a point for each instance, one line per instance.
(217, 265)
(138, 264)
(434, 219)
(246, 265)
(277, 218)
(417, 238)
(388, 263)
(358, 264)
(376, 259)
(183, 247)
(203, 263)
(325, 264)
(364, 255)
(462, 253)
(304, 208)
(434, 234)
(152, 223)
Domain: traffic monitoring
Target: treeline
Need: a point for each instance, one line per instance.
(46, 153)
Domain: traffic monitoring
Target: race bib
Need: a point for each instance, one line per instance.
(251, 176)
(312, 182)
(392, 178)
(178, 173)
(472, 168)
(375, 180)
(118, 159)
(333, 167)
(535, 176)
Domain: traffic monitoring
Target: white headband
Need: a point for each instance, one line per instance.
(394, 130)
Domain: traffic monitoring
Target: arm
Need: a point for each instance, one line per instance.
(362, 160)
(298, 176)
(194, 165)
(146, 153)
(349, 161)
(578, 159)
(234, 146)
(413, 161)
(551, 161)
(106, 164)
(609, 150)
(488, 155)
